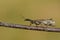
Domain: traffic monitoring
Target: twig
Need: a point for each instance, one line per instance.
(3, 24)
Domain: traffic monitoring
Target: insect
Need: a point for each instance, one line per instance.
(46, 22)
(36, 22)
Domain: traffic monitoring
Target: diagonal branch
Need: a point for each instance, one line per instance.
(29, 28)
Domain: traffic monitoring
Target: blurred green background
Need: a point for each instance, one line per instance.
(11, 11)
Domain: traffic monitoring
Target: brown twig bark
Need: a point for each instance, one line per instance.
(3, 24)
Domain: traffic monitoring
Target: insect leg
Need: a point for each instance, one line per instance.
(45, 27)
(30, 24)
(36, 25)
